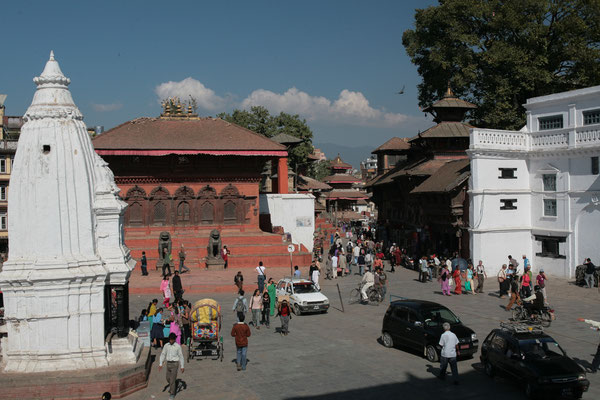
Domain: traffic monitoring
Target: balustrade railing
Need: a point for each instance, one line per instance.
(587, 136)
(582, 136)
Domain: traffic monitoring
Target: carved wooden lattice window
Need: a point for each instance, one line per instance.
(207, 213)
(160, 212)
(136, 213)
(229, 213)
(183, 212)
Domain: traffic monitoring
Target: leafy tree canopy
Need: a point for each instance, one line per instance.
(259, 120)
(498, 53)
(320, 169)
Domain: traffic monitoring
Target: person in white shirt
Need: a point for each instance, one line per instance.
(334, 265)
(368, 280)
(355, 254)
(449, 343)
(481, 276)
(173, 355)
(260, 270)
(369, 260)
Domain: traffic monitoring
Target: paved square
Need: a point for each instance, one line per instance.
(337, 355)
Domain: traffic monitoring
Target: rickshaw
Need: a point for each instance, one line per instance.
(206, 323)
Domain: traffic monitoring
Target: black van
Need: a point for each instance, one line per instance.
(418, 324)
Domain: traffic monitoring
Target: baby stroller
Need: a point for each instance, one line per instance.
(206, 324)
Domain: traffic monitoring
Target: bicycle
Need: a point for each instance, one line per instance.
(374, 295)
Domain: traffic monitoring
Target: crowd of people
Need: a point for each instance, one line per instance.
(352, 252)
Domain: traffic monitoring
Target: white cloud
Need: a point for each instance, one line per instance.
(206, 98)
(107, 107)
(350, 107)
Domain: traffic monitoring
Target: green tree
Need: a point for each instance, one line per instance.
(498, 53)
(320, 169)
(259, 120)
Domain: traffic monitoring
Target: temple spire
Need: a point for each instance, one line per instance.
(52, 97)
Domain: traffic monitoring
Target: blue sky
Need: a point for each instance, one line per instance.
(336, 63)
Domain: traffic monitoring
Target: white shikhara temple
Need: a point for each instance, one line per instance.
(537, 191)
(68, 266)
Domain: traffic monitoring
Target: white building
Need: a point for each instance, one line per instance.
(537, 191)
(68, 264)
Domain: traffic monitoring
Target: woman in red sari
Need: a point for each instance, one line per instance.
(457, 281)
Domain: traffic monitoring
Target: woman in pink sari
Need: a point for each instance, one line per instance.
(166, 290)
(445, 280)
(175, 322)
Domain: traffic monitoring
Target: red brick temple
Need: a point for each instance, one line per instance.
(343, 197)
(188, 175)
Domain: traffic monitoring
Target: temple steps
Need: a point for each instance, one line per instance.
(247, 248)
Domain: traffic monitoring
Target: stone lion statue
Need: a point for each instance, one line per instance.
(164, 242)
(214, 244)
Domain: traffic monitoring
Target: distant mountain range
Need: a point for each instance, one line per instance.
(351, 155)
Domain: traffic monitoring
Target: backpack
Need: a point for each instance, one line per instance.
(239, 307)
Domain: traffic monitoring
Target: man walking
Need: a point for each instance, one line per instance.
(144, 262)
(177, 286)
(590, 270)
(240, 306)
(541, 279)
(481, 276)
(260, 270)
(334, 265)
(173, 355)
(355, 254)
(503, 282)
(449, 344)
(241, 333)
(182, 267)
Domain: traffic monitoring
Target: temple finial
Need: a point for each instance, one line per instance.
(449, 92)
(51, 55)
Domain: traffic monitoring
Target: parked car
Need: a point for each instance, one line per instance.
(304, 296)
(534, 360)
(418, 324)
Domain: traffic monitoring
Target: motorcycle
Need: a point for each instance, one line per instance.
(544, 317)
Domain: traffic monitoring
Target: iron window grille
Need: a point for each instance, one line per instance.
(549, 181)
(553, 122)
(550, 207)
(591, 117)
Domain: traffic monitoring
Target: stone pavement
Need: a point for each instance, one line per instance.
(337, 355)
(200, 280)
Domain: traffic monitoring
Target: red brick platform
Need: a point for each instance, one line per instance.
(120, 381)
(247, 247)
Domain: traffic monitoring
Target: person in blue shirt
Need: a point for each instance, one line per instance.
(525, 261)
(157, 332)
(296, 272)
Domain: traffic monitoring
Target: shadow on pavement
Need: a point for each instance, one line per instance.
(473, 385)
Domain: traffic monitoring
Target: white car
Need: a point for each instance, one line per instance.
(304, 296)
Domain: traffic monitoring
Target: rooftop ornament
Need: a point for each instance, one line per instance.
(174, 108)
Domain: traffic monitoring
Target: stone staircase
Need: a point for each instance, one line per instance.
(247, 247)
